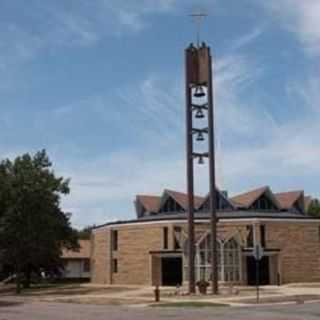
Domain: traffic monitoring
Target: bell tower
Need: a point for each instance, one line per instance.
(199, 105)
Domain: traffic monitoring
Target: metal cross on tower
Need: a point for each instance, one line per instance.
(198, 19)
(199, 104)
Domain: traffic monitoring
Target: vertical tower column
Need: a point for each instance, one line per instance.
(212, 180)
(190, 173)
(199, 88)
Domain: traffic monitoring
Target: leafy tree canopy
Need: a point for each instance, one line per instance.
(85, 233)
(314, 208)
(33, 227)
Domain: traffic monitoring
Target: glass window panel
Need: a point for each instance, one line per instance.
(231, 257)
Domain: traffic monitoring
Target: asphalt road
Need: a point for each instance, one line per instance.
(66, 311)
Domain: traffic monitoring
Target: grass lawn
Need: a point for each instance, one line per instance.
(191, 304)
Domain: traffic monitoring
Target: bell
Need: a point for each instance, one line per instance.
(199, 93)
(199, 114)
(201, 161)
(200, 136)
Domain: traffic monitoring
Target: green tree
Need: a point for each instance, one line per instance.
(85, 233)
(33, 227)
(314, 208)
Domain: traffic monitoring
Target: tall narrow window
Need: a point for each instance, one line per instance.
(263, 235)
(177, 238)
(114, 240)
(250, 236)
(263, 204)
(115, 266)
(165, 238)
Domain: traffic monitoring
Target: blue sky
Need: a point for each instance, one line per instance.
(99, 84)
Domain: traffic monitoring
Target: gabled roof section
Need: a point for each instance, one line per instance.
(182, 198)
(221, 195)
(247, 199)
(150, 203)
(288, 199)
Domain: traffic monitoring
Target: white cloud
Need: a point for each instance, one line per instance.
(109, 184)
(252, 148)
(290, 154)
(247, 38)
(302, 17)
(132, 14)
(156, 107)
(234, 75)
(48, 26)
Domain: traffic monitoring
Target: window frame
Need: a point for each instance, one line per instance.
(263, 238)
(115, 266)
(250, 236)
(165, 233)
(177, 233)
(115, 240)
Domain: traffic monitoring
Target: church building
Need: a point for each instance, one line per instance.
(153, 248)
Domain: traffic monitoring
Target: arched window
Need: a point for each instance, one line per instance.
(231, 253)
(203, 259)
(229, 260)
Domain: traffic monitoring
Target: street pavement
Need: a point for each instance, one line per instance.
(68, 311)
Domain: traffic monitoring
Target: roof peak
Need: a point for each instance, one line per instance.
(147, 195)
(246, 199)
(289, 198)
(288, 192)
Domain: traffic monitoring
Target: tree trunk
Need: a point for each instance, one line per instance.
(27, 278)
(18, 280)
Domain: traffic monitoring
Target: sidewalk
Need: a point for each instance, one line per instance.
(242, 296)
(144, 295)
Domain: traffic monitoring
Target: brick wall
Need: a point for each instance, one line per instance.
(133, 258)
(298, 260)
(299, 257)
(100, 256)
(134, 244)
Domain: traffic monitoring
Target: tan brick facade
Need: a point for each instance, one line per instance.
(133, 258)
(299, 258)
(100, 256)
(294, 250)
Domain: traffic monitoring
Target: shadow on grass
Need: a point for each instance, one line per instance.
(280, 299)
(104, 301)
(59, 289)
(9, 303)
(191, 304)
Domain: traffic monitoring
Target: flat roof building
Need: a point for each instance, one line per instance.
(77, 263)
